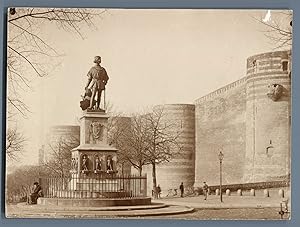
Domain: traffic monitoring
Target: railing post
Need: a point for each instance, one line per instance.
(145, 183)
(134, 186)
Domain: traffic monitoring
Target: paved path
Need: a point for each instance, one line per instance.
(165, 207)
(229, 214)
(24, 206)
(213, 202)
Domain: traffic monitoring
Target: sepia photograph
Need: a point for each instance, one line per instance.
(148, 113)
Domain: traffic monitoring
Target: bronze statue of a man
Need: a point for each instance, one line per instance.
(97, 78)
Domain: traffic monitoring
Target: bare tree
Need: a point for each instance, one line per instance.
(278, 28)
(134, 143)
(150, 139)
(15, 142)
(29, 53)
(117, 128)
(59, 161)
(125, 133)
(19, 183)
(162, 140)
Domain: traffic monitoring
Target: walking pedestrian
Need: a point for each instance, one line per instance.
(205, 190)
(158, 191)
(181, 187)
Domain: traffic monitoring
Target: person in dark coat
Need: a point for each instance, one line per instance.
(181, 187)
(205, 190)
(37, 192)
(158, 191)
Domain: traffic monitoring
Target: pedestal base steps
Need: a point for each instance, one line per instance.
(23, 210)
(100, 202)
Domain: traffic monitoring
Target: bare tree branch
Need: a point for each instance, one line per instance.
(28, 50)
(28, 61)
(59, 151)
(278, 32)
(15, 142)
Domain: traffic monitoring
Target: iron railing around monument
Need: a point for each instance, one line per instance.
(101, 186)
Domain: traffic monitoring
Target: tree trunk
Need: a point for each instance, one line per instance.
(140, 171)
(140, 174)
(154, 179)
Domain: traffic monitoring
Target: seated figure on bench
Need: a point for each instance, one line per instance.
(37, 192)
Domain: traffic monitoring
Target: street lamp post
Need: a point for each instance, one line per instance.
(221, 156)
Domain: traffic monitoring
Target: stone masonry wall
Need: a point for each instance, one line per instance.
(220, 125)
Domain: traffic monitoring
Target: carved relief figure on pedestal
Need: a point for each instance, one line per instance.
(96, 131)
(76, 164)
(84, 166)
(73, 164)
(109, 164)
(275, 91)
(98, 164)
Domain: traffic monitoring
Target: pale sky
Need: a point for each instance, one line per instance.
(151, 56)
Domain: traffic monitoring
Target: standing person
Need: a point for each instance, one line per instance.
(181, 187)
(98, 76)
(205, 190)
(158, 191)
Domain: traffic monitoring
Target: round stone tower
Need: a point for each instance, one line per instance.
(181, 167)
(268, 111)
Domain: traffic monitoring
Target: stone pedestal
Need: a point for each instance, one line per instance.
(94, 155)
(94, 181)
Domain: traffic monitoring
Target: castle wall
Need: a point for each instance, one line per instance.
(63, 132)
(249, 123)
(220, 126)
(267, 117)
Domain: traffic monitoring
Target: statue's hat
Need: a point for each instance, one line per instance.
(97, 59)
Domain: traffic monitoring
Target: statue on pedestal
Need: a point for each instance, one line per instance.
(97, 78)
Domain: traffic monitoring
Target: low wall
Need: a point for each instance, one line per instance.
(248, 186)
